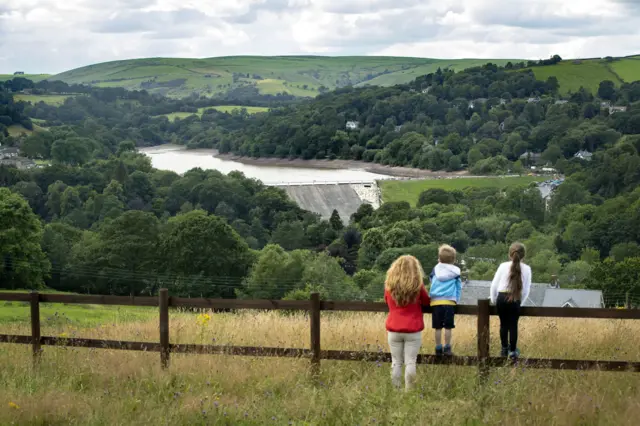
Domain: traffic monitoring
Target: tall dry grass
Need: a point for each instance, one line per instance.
(100, 387)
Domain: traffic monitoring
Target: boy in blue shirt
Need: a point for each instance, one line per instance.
(446, 287)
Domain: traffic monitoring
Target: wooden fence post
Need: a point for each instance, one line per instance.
(35, 325)
(164, 327)
(483, 337)
(315, 334)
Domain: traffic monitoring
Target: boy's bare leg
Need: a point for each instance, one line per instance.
(447, 337)
(439, 337)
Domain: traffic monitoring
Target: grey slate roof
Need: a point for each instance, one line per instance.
(540, 295)
(557, 297)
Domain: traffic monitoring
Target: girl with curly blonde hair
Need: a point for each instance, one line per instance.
(405, 295)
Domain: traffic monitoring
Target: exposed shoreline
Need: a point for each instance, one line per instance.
(380, 169)
(339, 164)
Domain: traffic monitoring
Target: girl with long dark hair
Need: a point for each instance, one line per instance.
(509, 290)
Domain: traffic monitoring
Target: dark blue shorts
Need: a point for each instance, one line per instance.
(443, 317)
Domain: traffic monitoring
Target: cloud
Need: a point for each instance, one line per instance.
(141, 21)
(55, 35)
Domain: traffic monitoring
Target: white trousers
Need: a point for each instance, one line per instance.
(404, 350)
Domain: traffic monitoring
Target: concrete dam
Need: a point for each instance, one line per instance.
(324, 197)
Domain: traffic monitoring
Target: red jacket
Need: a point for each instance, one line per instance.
(406, 319)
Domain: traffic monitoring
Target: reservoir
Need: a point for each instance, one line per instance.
(180, 160)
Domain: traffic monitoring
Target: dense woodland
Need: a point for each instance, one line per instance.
(100, 219)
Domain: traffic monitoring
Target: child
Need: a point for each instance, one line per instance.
(509, 289)
(446, 287)
(405, 295)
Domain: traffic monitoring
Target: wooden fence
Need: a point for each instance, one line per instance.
(314, 306)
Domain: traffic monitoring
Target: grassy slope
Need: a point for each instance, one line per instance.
(214, 74)
(222, 108)
(58, 315)
(589, 73)
(627, 69)
(410, 190)
(47, 99)
(99, 387)
(32, 77)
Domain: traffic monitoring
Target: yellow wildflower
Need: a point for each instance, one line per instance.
(63, 335)
(13, 405)
(203, 319)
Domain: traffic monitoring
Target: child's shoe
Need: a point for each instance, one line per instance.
(514, 354)
(439, 350)
(504, 352)
(447, 350)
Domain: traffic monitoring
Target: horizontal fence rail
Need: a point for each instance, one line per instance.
(483, 311)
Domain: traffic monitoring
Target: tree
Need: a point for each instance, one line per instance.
(58, 240)
(436, 196)
(520, 231)
(290, 235)
(574, 274)
(72, 151)
(24, 265)
(373, 244)
(622, 251)
(198, 244)
(335, 221)
(455, 163)
(275, 273)
(474, 156)
(128, 251)
(326, 272)
(616, 278)
(607, 90)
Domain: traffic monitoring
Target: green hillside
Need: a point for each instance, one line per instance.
(573, 74)
(222, 108)
(32, 77)
(296, 75)
(307, 76)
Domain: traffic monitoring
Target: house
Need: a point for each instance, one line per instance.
(18, 73)
(426, 91)
(614, 109)
(352, 125)
(533, 100)
(503, 101)
(561, 102)
(477, 101)
(10, 152)
(398, 128)
(583, 155)
(19, 162)
(540, 295)
(605, 105)
(533, 157)
(572, 298)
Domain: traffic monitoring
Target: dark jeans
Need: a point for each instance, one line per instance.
(509, 313)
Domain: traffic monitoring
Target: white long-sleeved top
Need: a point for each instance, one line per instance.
(501, 281)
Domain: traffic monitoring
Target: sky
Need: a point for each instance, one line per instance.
(51, 36)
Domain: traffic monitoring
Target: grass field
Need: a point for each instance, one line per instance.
(222, 108)
(33, 77)
(627, 69)
(54, 100)
(269, 74)
(100, 387)
(572, 76)
(231, 108)
(18, 129)
(410, 190)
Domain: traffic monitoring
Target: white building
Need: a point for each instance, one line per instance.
(352, 125)
(583, 155)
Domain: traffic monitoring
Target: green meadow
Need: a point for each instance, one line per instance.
(410, 190)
